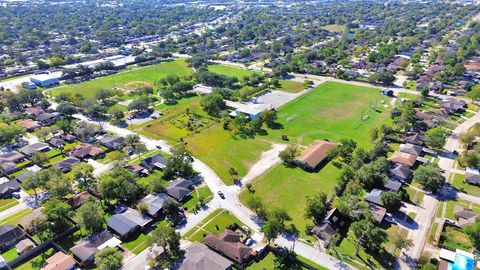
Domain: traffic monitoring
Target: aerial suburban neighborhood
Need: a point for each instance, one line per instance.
(256, 135)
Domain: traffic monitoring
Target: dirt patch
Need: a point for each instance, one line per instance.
(135, 85)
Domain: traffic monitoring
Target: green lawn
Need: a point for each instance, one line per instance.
(37, 262)
(290, 86)
(148, 74)
(288, 188)
(268, 263)
(455, 238)
(204, 192)
(10, 254)
(458, 183)
(216, 222)
(229, 71)
(7, 203)
(13, 219)
(138, 244)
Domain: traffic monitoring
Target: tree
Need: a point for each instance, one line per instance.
(368, 236)
(64, 125)
(83, 174)
(67, 109)
(57, 212)
(85, 130)
(133, 141)
(35, 180)
(271, 229)
(42, 228)
(269, 117)
(401, 242)
(171, 209)
(382, 77)
(233, 173)
(116, 116)
(213, 104)
(288, 154)
(373, 174)
(424, 91)
(429, 176)
(179, 163)
(40, 158)
(139, 105)
(142, 207)
(90, 216)
(118, 184)
(103, 95)
(109, 259)
(256, 204)
(167, 238)
(316, 206)
(435, 138)
(473, 232)
(57, 185)
(474, 93)
(392, 201)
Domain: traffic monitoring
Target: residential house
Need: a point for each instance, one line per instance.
(472, 178)
(378, 213)
(156, 161)
(137, 169)
(179, 189)
(111, 142)
(66, 164)
(200, 257)
(9, 236)
(60, 261)
(411, 149)
(415, 138)
(79, 199)
(375, 197)
(24, 246)
(34, 111)
(403, 158)
(86, 151)
(465, 216)
(7, 187)
(128, 222)
(154, 203)
(453, 104)
(330, 225)
(400, 172)
(85, 249)
(315, 154)
(57, 142)
(31, 149)
(228, 244)
(48, 119)
(27, 220)
(66, 137)
(24, 175)
(393, 185)
(30, 125)
(9, 161)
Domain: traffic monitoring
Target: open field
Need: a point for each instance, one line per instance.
(219, 150)
(175, 123)
(288, 188)
(229, 71)
(148, 74)
(334, 27)
(290, 86)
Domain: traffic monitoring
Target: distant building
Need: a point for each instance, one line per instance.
(44, 80)
(29, 85)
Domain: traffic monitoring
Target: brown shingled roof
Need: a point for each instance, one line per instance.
(228, 243)
(316, 153)
(403, 158)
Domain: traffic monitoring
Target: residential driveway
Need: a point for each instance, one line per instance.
(140, 261)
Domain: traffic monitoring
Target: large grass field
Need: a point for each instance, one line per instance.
(148, 74)
(288, 188)
(219, 150)
(331, 111)
(230, 71)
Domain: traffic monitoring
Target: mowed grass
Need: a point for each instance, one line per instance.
(290, 86)
(268, 262)
(15, 218)
(216, 223)
(221, 151)
(333, 111)
(148, 74)
(230, 71)
(289, 188)
(172, 125)
(7, 203)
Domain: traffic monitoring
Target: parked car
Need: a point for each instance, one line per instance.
(220, 193)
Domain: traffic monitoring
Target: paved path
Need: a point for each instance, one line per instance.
(267, 160)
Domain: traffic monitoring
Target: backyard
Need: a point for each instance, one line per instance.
(454, 238)
(148, 75)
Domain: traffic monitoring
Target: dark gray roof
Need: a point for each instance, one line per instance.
(393, 185)
(472, 178)
(411, 149)
(87, 247)
(9, 233)
(66, 164)
(56, 142)
(47, 116)
(111, 140)
(179, 188)
(33, 148)
(200, 257)
(374, 196)
(400, 171)
(121, 224)
(157, 160)
(21, 177)
(9, 186)
(11, 156)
